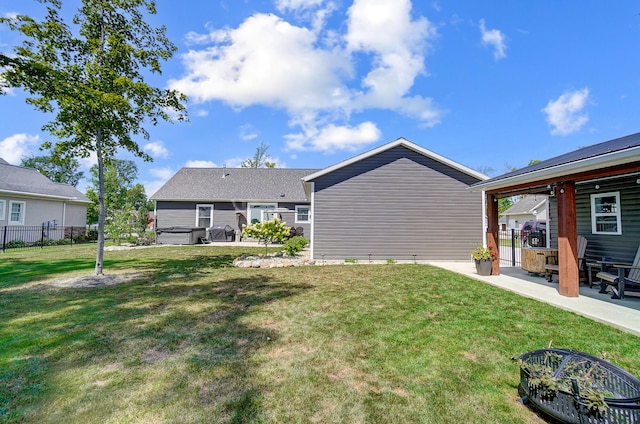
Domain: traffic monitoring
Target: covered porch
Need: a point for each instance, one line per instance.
(573, 182)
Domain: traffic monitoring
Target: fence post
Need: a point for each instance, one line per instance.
(42, 237)
(71, 235)
(4, 239)
(513, 247)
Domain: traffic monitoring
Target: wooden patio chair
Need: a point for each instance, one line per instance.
(619, 282)
(551, 265)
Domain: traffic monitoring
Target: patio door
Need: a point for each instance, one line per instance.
(260, 212)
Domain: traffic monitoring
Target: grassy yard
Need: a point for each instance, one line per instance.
(195, 340)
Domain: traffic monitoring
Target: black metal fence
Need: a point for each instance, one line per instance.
(39, 236)
(512, 241)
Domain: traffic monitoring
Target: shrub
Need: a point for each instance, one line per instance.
(267, 232)
(14, 244)
(350, 260)
(391, 261)
(294, 245)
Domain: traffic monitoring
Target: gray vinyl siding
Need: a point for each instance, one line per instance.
(175, 214)
(183, 214)
(76, 215)
(395, 205)
(619, 247)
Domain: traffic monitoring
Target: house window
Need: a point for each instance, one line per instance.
(204, 216)
(2, 205)
(259, 212)
(16, 213)
(605, 213)
(303, 214)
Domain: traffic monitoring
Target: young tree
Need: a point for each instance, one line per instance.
(267, 232)
(260, 158)
(90, 74)
(65, 171)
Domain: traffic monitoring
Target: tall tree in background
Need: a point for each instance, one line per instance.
(65, 171)
(90, 75)
(260, 158)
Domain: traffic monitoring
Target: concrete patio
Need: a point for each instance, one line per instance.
(623, 314)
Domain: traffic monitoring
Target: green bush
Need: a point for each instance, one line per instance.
(14, 244)
(267, 232)
(294, 245)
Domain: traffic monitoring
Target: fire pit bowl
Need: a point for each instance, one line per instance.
(575, 387)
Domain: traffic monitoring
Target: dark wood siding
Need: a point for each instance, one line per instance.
(395, 205)
(619, 247)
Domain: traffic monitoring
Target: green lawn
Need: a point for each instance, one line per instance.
(198, 341)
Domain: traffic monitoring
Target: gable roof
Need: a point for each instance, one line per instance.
(526, 205)
(619, 151)
(21, 181)
(397, 142)
(238, 184)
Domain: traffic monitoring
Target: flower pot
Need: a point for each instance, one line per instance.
(483, 266)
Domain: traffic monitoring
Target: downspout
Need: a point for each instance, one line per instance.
(64, 213)
(484, 225)
(313, 220)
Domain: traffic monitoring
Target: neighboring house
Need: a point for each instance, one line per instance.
(398, 201)
(527, 208)
(593, 192)
(28, 198)
(217, 197)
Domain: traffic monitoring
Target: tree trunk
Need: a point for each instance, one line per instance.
(100, 254)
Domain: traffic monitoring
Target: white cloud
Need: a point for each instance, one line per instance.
(200, 164)
(162, 173)
(398, 45)
(156, 149)
(309, 70)
(248, 132)
(201, 113)
(17, 146)
(283, 70)
(565, 113)
(332, 138)
(494, 38)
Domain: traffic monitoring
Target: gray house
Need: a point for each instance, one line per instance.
(210, 198)
(28, 198)
(593, 192)
(398, 201)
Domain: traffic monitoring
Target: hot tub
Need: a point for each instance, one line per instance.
(180, 235)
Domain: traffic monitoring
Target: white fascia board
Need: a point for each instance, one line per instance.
(620, 157)
(397, 142)
(43, 196)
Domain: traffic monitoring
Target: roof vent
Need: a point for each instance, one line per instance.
(224, 170)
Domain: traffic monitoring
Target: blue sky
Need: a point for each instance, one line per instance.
(487, 84)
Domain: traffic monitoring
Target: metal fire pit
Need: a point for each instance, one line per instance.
(575, 374)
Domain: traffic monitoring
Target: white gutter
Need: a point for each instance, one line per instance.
(48, 196)
(619, 157)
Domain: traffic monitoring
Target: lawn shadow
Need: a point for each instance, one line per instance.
(184, 315)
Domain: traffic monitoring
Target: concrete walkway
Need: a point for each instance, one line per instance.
(623, 314)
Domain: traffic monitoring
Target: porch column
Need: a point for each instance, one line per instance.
(492, 231)
(567, 239)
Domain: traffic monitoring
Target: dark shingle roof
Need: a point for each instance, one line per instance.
(239, 184)
(31, 181)
(599, 149)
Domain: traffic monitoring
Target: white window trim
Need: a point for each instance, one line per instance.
(3, 209)
(594, 227)
(23, 212)
(308, 207)
(203, 205)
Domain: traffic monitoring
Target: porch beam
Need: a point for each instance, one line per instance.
(582, 176)
(567, 239)
(493, 241)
